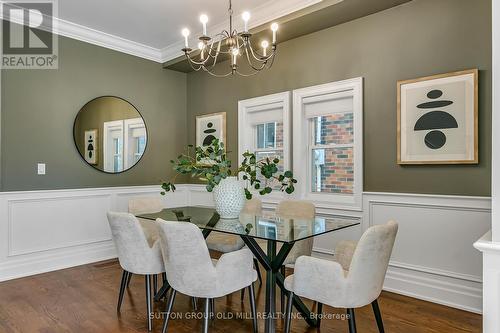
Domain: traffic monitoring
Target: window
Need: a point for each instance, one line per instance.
(328, 133)
(124, 143)
(263, 126)
(331, 152)
(117, 154)
(140, 145)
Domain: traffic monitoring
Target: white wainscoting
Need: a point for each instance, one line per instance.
(42, 231)
(433, 258)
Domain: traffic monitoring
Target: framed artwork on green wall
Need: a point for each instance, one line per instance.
(209, 127)
(437, 119)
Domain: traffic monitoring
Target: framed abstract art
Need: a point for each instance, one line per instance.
(437, 119)
(209, 127)
(91, 144)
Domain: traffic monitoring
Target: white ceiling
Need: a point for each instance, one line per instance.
(156, 23)
(151, 28)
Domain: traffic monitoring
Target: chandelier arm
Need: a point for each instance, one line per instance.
(259, 57)
(263, 64)
(217, 75)
(247, 75)
(199, 63)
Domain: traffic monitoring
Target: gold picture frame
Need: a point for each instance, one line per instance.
(209, 126)
(420, 104)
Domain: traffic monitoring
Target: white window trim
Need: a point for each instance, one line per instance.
(247, 141)
(108, 127)
(301, 97)
(128, 125)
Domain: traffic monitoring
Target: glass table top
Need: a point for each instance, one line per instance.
(267, 227)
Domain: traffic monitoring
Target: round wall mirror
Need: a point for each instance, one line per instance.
(110, 134)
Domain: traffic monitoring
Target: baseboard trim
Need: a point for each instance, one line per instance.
(56, 261)
(448, 292)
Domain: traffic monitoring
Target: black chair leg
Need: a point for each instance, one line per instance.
(242, 294)
(155, 284)
(164, 277)
(257, 268)
(148, 302)
(352, 321)
(282, 294)
(212, 308)
(170, 304)
(207, 315)
(378, 316)
(288, 314)
(319, 313)
(253, 307)
(194, 303)
(129, 278)
(125, 276)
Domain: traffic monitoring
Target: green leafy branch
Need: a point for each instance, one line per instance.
(210, 164)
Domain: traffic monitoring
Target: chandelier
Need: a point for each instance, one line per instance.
(232, 45)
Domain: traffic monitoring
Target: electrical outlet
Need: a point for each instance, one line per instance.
(41, 168)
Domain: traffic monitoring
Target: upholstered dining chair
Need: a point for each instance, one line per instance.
(328, 282)
(225, 243)
(135, 254)
(296, 209)
(192, 272)
(143, 205)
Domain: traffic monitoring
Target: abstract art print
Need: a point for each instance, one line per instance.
(437, 119)
(209, 127)
(90, 141)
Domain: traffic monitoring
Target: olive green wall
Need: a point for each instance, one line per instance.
(39, 107)
(420, 38)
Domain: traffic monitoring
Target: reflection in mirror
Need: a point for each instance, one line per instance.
(110, 134)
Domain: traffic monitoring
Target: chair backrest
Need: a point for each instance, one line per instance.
(130, 242)
(370, 261)
(253, 206)
(187, 261)
(296, 209)
(142, 205)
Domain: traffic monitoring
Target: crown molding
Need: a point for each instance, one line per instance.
(96, 37)
(262, 14)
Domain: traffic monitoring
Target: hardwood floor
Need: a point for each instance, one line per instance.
(83, 299)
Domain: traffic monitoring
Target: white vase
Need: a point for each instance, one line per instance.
(229, 197)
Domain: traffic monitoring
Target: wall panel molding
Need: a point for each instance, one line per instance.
(433, 258)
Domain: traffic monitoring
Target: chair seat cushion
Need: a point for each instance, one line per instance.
(224, 243)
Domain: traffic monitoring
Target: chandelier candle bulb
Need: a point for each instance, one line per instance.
(235, 53)
(264, 45)
(204, 20)
(185, 33)
(245, 16)
(274, 28)
(201, 46)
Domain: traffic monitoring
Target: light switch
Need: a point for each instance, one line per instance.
(41, 168)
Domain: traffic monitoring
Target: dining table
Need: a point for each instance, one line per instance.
(279, 233)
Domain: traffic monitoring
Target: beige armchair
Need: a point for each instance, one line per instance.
(135, 255)
(330, 283)
(192, 272)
